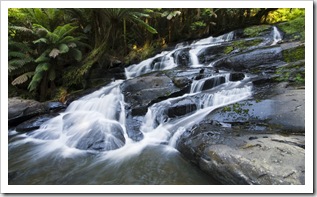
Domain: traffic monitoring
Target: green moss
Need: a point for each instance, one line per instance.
(294, 54)
(293, 73)
(294, 29)
(255, 30)
(228, 49)
(244, 44)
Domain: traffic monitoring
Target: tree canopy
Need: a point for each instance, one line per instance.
(51, 50)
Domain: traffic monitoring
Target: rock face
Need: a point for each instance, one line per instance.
(140, 92)
(284, 112)
(20, 110)
(237, 157)
(33, 123)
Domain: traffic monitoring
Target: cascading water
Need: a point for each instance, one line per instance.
(276, 36)
(90, 137)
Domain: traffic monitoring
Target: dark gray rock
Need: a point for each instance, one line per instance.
(181, 82)
(235, 157)
(102, 140)
(251, 59)
(140, 92)
(55, 106)
(213, 82)
(181, 108)
(20, 110)
(282, 109)
(236, 76)
(34, 123)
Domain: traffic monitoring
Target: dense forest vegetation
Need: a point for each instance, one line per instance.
(52, 50)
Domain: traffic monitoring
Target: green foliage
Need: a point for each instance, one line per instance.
(292, 72)
(285, 14)
(294, 54)
(228, 49)
(254, 31)
(50, 48)
(295, 29)
(198, 25)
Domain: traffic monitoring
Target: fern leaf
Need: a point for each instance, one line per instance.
(36, 79)
(19, 46)
(42, 67)
(21, 28)
(68, 39)
(54, 53)
(76, 54)
(22, 78)
(63, 48)
(43, 57)
(16, 54)
(43, 40)
(54, 38)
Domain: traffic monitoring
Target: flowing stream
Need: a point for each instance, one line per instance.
(88, 143)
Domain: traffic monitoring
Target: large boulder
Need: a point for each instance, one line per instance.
(142, 91)
(20, 110)
(236, 157)
(271, 55)
(279, 108)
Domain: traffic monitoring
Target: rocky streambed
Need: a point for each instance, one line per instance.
(232, 106)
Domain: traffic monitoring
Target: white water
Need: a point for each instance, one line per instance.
(99, 116)
(168, 62)
(197, 85)
(276, 36)
(98, 120)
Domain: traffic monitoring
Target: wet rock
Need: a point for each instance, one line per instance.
(181, 108)
(236, 76)
(182, 57)
(34, 123)
(213, 82)
(142, 91)
(181, 82)
(281, 110)
(102, 140)
(236, 157)
(133, 125)
(55, 106)
(251, 59)
(20, 110)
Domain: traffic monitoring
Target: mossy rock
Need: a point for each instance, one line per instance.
(294, 30)
(294, 54)
(257, 30)
(293, 72)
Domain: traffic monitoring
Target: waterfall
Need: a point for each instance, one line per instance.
(91, 136)
(94, 122)
(165, 60)
(215, 80)
(276, 36)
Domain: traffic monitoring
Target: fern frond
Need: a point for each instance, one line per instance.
(18, 54)
(43, 40)
(76, 54)
(22, 78)
(36, 79)
(63, 48)
(43, 57)
(19, 46)
(54, 53)
(64, 30)
(22, 70)
(21, 28)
